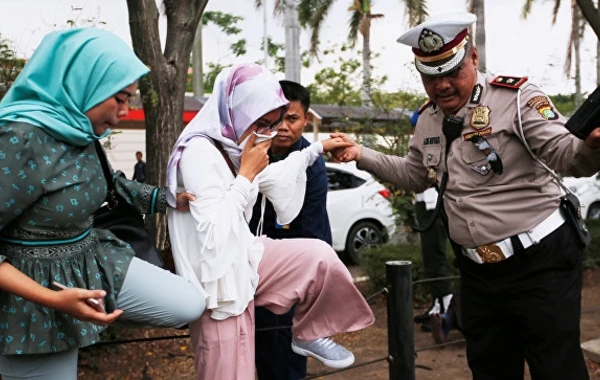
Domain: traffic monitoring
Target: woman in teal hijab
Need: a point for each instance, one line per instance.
(74, 88)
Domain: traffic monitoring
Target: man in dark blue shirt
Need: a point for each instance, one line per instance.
(275, 359)
(139, 170)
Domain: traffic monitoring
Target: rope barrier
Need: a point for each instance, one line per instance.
(426, 280)
(385, 291)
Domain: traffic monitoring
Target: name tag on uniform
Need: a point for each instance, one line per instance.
(431, 140)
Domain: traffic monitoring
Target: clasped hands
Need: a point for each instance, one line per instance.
(593, 140)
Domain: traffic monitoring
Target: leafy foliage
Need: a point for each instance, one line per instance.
(339, 84)
(375, 259)
(591, 256)
(225, 21)
(564, 103)
(211, 75)
(10, 65)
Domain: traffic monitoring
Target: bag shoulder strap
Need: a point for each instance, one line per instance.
(103, 161)
(225, 156)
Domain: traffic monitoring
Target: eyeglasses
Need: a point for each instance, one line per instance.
(493, 158)
(262, 127)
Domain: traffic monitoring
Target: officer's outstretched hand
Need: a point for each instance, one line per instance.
(352, 152)
(593, 140)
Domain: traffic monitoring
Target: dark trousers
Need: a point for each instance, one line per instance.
(526, 308)
(275, 359)
(433, 250)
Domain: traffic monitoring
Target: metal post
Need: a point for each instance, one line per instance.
(401, 343)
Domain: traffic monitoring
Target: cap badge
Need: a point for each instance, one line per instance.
(480, 118)
(430, 41)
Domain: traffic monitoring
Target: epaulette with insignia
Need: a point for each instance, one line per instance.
(425, 105)
(508, 82)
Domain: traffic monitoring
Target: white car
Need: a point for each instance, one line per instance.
(587, 190)
(359, 212)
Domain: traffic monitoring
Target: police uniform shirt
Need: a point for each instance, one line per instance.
(484, 207)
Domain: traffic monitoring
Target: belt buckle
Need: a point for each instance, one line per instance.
(490, 253)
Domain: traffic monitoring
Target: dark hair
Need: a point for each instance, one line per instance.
(295, 91)
(138, 152)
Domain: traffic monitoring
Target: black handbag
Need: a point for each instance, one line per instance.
(123, 220)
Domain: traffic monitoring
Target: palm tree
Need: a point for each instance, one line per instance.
(312, 13)
(289, 10)
(577, 27)
(477, 7)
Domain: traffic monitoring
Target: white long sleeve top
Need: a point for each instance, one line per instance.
(212, 245)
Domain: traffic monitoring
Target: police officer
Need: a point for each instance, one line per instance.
(520, 263)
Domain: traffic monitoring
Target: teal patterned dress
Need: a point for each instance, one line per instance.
(49, 192)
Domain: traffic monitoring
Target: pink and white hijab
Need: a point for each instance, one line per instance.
(241, 95)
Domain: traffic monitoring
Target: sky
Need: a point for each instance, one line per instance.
(517, 47)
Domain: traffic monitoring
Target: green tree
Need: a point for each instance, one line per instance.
(312, 13)
(573, 48)
(477, 7)
(10, 65)
(227, 23)
(339, 84)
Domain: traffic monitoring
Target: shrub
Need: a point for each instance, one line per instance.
(591, 256)
(374, 259)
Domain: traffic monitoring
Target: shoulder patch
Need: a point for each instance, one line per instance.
(508, 82)
(537, 99)
(425, 105)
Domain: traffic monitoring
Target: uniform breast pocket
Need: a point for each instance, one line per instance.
(476, 162)
(432, 156)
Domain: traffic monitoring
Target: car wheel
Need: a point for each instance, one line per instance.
(362, 235)
(594, 211)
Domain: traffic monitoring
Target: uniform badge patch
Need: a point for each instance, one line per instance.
(546, 110)
(432, 175)
(483, 132)
(536, 99)
(508, 82)
(476, 94)
(480, 117)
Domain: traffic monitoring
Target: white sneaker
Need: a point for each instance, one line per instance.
(324, 350)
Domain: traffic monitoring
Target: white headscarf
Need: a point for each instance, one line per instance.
(241, 95)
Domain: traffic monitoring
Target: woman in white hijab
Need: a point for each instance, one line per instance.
(218, 159)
